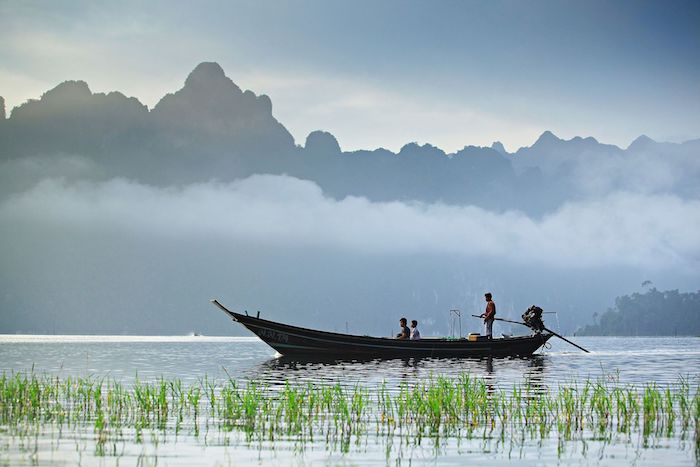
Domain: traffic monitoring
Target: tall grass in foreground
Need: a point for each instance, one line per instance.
(462, 407)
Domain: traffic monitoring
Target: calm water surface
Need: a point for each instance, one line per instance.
(190, 358)
(624, 361)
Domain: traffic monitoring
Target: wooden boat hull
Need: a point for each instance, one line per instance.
(296, 341)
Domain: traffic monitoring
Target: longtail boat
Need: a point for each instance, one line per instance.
(297, 341)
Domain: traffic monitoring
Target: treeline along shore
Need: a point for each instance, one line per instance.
(653, 313)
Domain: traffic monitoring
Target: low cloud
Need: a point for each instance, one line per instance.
(622, 228)
(656, 171)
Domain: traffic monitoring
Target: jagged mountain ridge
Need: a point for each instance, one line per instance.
(211, 129)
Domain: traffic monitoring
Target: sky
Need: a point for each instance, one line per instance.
(382, 74)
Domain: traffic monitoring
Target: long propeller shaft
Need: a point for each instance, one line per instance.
(546, 329)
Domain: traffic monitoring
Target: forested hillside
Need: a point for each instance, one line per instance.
(654, 313)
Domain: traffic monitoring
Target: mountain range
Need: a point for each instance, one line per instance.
(120, 218)
(211, 129)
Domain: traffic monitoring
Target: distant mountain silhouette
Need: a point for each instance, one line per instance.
(71, 119)
(553, 155)
(321, 142)
(498, 147)
(211, 129)
(211, 107)
(641, 143)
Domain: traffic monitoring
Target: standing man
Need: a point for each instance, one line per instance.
(488, 315)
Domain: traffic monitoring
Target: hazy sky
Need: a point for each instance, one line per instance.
(385, 73)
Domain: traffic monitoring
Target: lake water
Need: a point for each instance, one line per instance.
(620, 361)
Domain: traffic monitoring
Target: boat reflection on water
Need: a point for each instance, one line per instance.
(500, 372)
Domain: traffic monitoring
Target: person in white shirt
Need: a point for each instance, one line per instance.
(415, 333)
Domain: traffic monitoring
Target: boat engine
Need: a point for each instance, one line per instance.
(533, 318)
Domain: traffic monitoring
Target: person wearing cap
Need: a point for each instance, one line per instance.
(489, 314)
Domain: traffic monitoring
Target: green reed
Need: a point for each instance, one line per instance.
(461, 407)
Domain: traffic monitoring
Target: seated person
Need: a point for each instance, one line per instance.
(415, 333)
(405, 333)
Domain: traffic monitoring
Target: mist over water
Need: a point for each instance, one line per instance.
(117, 218)
(119, 256)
